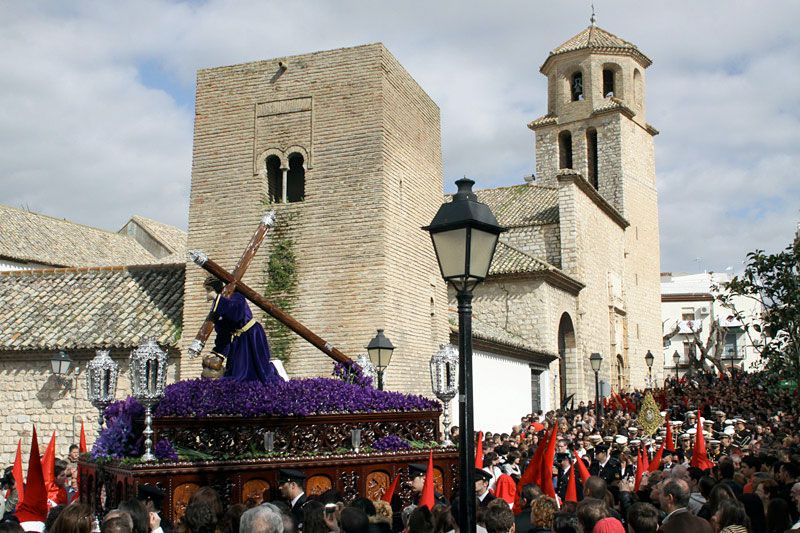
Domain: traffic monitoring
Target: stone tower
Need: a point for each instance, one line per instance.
(596, 126)
(345, 146)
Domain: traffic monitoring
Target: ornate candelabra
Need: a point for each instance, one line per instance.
(148, 379)
(367, 368)
(101, 383)
(444, 381)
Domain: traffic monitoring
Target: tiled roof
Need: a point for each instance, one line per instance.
(509, 260)
(522, 205)
(88, 308)
(26, 236)
(170, 236)
(599, 40)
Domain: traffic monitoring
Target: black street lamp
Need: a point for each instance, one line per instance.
(676, 357)
(60, 363)
(464, 234)
(649, 358)
(596, 360)
(380, 351)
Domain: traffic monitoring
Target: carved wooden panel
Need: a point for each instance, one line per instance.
(180, 498)
(254, 489)
(438, 480)
(377, 484)
(316, 485)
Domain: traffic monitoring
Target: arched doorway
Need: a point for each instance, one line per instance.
(620, 373)
(566, 352)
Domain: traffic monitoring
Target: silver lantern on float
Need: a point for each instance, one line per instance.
(444, 381)
(101, 383)
(148, 380)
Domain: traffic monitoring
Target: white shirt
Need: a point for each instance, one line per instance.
(294, 500)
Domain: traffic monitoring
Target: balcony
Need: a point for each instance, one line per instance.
(687, 327)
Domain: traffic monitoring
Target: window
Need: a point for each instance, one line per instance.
(608, 82)
(591, 156)
(687, 313)
(731, 349)
(565, 149)
(689, 350)
(296, 179)
(576, 86)
(274, 179)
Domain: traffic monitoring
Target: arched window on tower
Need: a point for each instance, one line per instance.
(608, 83)
(591, 157)
(274, 179)
(296, 179)
(565, 150)
(576, 86)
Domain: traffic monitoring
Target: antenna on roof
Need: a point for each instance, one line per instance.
(592, 19)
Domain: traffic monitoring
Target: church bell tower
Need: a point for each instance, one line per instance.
(596, 126)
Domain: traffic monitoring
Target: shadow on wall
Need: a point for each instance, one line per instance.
(54, 389)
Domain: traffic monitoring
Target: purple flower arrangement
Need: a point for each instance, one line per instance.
(391, 443)
(164, 451)
(299, 397)
(119, 438)
(351, 372)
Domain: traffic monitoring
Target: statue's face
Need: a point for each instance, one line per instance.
(210, 294)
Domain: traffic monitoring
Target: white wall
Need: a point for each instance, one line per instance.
(501, 392)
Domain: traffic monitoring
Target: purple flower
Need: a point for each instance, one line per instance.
(391, 443)
(164, 451)
(351, 372)
(123, 426)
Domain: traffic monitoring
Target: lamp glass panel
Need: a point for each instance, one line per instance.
(56, 364)
(451, 250)
(480, 253)
(385, 357)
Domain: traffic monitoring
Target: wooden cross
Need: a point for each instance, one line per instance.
(234, 282)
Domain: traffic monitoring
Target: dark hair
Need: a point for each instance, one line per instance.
(73, 447)
(792, 470)
(420, 521)
(705, 485)
(52, 516)
(752, 461)
(726, 469)
(231, 518)
(330, 496)
(565, 523)
(595, 487)
(498, 518)
(75, 518)
(59, 466)
(209, 497)
(590, 512)
(778, 517)
(719, 493)
(213, 282)
(138, 512)
(678, 490)
(313, 519)
(643, 518)
(117, 524)
(199, 518)
(354, 520)
(731, 513)
(365, 505)
(443, 520)
(11, 527)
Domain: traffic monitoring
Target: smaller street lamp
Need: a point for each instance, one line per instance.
(596, 360)
(676, 357)
(60, 363)
(444, 382)
(649, 358)
(380, 350)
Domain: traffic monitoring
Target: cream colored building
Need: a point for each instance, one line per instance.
(688, 309)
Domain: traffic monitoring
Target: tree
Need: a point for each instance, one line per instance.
(702, 355)
(773, 280)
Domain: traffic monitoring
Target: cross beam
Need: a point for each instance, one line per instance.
(271, 309)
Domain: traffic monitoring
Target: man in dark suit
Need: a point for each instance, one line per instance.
(564, 465)
(605, 466)
(416, 477)
(482, 479)
(290, 483)
(674, 500)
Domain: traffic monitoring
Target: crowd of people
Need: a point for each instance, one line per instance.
(607, 474)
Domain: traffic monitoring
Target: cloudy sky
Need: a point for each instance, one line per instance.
(96, 99)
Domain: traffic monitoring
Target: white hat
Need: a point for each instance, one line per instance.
(635, 442)
(33, 526)
(621, 439)
(729, 430)
(691, 431)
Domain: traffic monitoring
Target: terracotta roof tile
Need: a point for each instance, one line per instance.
(522, 205)
(509, 260)
(599, 40)
(170, 236)
(88, 308)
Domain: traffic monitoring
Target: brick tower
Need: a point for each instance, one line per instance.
(345, 146)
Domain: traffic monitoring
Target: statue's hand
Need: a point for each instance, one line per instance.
(195, 348)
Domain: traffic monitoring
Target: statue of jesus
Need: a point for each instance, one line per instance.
(240, 339)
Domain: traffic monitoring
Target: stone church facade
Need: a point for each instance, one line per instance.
(345, 146)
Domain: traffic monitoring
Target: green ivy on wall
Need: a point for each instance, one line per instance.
(280, 289)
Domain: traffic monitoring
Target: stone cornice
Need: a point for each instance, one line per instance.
(687, 297)
(538, 358)
(570, 176)
(556, 278)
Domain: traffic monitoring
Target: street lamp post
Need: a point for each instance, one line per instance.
(596, 360)
(649, 358)
(380, 350)
(676, 357)
(464, 234)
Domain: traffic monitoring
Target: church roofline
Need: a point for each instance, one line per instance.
(599, 41)
(569, 175)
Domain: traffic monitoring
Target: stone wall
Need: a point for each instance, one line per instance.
(373, 178)
(33, 395)
(541, 241)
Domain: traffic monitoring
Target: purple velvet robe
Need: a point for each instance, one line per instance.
(246, 355)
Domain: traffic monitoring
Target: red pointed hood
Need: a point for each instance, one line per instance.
(639, 470)
(546, 472)
(656, 462)
(583, 472)
(387, 496)
(479, 451)
(572, 492)
(49, 460)
(669, 442)
(34, 507)
(506, 489)
(82, 446)
(427, 498)
(16, 472)
(699, 454)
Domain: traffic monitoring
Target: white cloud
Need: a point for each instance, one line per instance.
(87, 133)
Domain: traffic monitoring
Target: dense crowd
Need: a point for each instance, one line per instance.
(726, 459)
